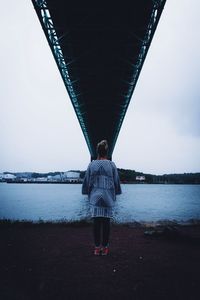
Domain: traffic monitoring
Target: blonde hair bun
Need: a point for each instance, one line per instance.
(102, 148)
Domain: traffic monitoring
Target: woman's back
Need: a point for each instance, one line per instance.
(101, 183)
(102, 174)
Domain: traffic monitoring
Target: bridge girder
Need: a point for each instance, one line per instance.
(99, 48)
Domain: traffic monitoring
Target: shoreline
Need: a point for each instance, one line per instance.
(88, 222)
(80, 182)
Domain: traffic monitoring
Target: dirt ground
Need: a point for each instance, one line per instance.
(53, 261)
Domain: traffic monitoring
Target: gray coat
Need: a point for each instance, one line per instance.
(101, 184)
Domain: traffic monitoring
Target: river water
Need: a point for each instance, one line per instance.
(139, 202)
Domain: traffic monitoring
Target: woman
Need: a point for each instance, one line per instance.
(101, 184)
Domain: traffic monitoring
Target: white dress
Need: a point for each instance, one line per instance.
(101, 184)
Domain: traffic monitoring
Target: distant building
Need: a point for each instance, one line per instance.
(71, 175)
(9, 176)
(41, 179)
(140, 178)
(54, 178)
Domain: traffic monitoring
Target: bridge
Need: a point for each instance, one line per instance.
(99, 48)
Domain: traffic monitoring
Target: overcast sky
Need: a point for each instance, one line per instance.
(39, 130)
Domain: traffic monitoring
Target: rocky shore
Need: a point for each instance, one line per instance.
(56, 261)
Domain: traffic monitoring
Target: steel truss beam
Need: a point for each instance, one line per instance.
(62, 65)
(145, 44)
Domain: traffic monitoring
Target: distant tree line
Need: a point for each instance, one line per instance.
(129, 176)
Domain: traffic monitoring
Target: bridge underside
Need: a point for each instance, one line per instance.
(99, 48)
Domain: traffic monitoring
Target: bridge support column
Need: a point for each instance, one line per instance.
(93, 158)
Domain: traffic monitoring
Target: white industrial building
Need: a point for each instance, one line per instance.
(71, 175)
(140, 178)
(7, 176)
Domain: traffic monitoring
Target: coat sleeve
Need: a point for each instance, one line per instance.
(118, 190)
(85, 185)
